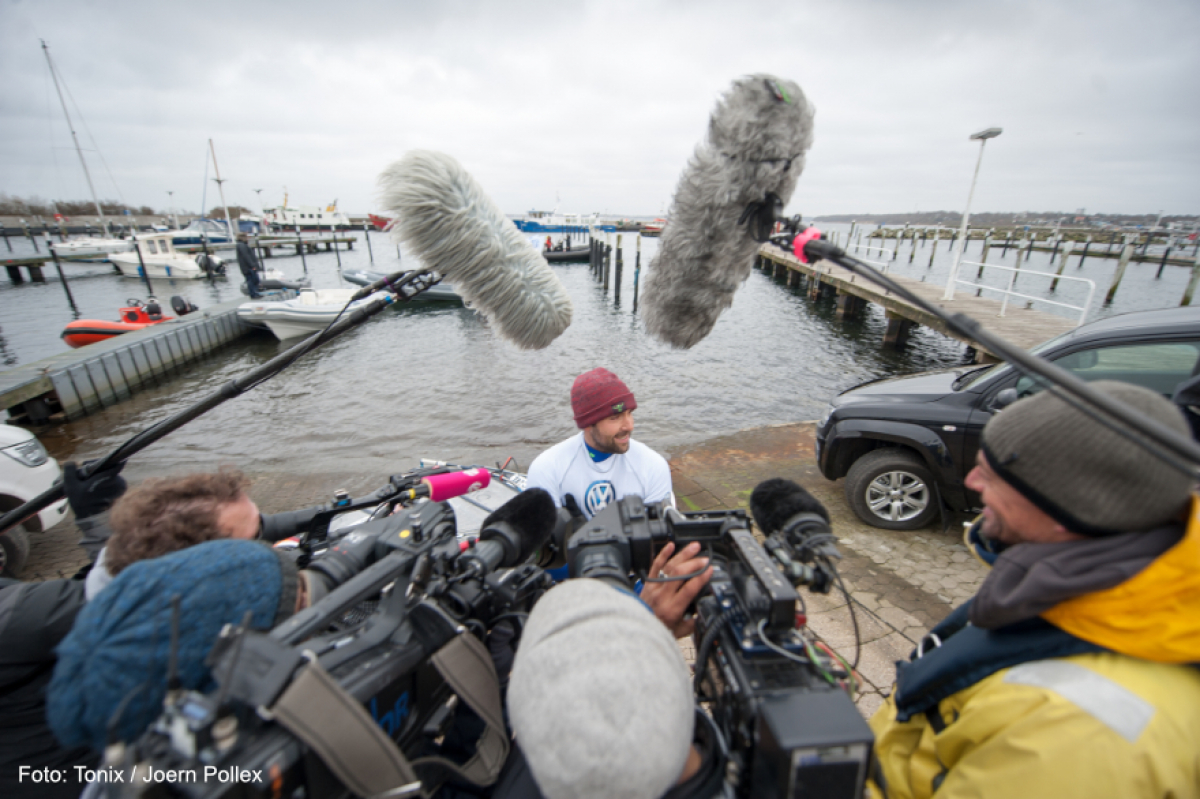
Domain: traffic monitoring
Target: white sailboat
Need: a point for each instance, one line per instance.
(92, 245)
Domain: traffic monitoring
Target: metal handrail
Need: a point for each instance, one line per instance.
(1008, 292)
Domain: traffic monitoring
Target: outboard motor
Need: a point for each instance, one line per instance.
(181, 306)
(211, 264)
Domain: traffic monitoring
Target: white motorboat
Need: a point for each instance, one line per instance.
(92, 246)
(160, 259)
(202, 231)
(308, 313)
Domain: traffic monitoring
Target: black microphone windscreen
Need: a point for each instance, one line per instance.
(774, 502)
(532, 514)
(445, 218)
(757, 138)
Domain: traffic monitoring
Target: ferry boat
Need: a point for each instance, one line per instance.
(554, 222)
(305, 217)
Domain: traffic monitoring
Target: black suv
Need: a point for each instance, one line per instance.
(904, 443)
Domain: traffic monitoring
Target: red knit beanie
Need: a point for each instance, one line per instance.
(597, 395)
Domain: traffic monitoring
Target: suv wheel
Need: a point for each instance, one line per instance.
(892, 489)
(14, 550)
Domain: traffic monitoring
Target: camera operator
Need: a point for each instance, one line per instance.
(34, 618)
(1067, 674)
(600, 702)
(163, 515)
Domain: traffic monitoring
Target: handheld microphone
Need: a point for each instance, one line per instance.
(441, 487)
(444, 217)
(781, 506)
(757, 139)
(512, 533)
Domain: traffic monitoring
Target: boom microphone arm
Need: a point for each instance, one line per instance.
(407, 288)
(809, 246)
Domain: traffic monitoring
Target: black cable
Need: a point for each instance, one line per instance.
(853, 615)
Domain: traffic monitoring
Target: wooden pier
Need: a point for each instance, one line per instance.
(266, 245)
(1021, 326)
(74, 384)
(35, 264)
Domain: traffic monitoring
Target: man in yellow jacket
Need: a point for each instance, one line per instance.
(1073, 672)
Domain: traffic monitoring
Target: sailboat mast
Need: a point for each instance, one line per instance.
(221, 189)
(78, 149)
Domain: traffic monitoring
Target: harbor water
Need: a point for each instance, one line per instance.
(432, 380)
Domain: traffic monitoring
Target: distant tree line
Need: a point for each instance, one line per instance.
(36, 206)
(985, 219)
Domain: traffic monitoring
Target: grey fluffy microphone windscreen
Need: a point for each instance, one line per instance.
(447, 221)
(757, 138)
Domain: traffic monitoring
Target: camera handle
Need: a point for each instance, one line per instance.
(325, 716)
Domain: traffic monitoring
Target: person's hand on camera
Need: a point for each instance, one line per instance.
(94, 494)
(670, 600)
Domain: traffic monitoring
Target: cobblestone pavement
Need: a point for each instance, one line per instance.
(900, 584)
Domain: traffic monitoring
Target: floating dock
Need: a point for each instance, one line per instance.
(74, 384)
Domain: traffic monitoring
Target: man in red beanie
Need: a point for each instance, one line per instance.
(603, 464)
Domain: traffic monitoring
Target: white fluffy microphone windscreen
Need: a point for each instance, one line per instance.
(757, 139)
(446, 220)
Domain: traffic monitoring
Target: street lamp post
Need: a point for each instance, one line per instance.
(982, 136)
(171, 200)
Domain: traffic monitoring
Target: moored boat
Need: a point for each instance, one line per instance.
(97, 247)
(157, 256)
(135, 316)
(439, 292)
(306, 217)
(573, 255)
(554, 222)
(201, 231)
(308, 313)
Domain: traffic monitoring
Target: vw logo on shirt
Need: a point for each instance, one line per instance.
(598, 495)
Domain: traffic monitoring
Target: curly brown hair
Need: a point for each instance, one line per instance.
(167, 514)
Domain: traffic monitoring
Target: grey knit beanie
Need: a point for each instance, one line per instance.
(1091, 479)
(600, 698)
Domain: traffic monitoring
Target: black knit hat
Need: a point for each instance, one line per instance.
(1089, 478)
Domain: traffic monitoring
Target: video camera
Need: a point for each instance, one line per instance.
(410, 589)
(410, 592)
(791, 730)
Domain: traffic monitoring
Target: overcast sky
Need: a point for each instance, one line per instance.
(596, 106)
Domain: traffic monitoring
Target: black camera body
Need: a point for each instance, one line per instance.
(790, 732)
(374, 635)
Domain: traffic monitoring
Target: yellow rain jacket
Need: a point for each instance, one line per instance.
(1100, 698)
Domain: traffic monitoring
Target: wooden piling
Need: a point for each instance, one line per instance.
(933, 251)
(61, 276)
(1066, 253)
(1163, 262)
(1191, 286)
(620, 269)
(987, 245)
(1126, 254)
(637, 271)
(1086, 244)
